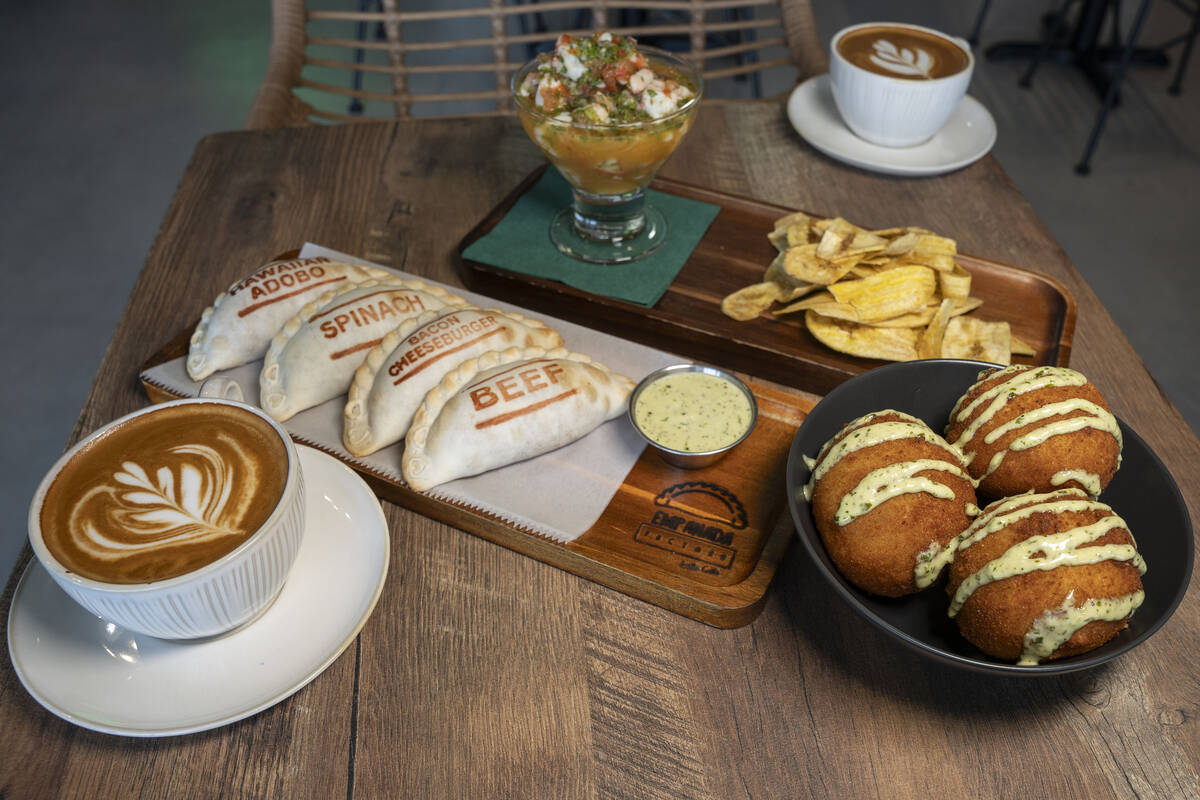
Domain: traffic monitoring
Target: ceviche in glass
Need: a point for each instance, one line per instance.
(607, 113)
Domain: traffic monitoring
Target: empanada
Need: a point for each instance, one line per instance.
(412, 359)
(238, 326)
(313, 357)
(506, 406)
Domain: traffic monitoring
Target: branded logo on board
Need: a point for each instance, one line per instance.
(695, 520)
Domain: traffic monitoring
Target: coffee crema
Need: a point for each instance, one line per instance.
(164, 493)
(902, 52)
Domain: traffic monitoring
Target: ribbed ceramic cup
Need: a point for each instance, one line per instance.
(895, 112)
(215, 598)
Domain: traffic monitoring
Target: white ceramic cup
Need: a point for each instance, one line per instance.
(215, 598)
(895, 112)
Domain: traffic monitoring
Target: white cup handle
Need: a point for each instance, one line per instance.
(222, 389)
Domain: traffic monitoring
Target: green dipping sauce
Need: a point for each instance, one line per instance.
(692, 412)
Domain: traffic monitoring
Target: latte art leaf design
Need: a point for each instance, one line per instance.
(198, 499)
(201, 493)
(902, 61)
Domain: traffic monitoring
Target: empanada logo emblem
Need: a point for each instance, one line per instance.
(695, 520)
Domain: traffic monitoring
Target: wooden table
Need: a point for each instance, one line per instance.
(483, 673)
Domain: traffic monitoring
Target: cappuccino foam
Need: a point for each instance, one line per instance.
(899, 52)
(164, 493)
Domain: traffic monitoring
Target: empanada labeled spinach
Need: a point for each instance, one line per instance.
(412, 359)
(237, 328)
(313, 357)
(507, 406)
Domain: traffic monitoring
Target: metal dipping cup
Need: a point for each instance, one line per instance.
(683, 458)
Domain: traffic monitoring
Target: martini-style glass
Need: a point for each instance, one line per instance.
(608, 166)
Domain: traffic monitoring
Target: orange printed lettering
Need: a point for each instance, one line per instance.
(508, 388)
(483, 397)
(530, 378)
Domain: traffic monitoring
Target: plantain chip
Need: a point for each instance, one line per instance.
(902, 245)
(804, 264)
(914, 319)
(865, 269)
(1019, 347)
(790, 231)
(835, 224)
(967, 337)
(887, 344)
(824, 304)
(956, 282)
(930, 343)
(964, 305)
(791, 288)
(750, 301)
(850, 246)
(922, 317)
(888, 294)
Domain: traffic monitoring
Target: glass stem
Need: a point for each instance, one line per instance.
(609, 218)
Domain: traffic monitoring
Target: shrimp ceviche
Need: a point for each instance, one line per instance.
(604, 112)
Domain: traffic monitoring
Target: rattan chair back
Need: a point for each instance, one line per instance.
(338, 66)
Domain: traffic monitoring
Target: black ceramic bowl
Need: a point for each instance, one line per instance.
(1143, 493)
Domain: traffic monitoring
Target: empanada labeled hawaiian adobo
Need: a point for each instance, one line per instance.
(398, 372)
(507, 406)
(313, 357)
(238, 326)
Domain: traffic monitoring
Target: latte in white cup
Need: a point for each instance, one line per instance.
(897, 84)
(180, 521)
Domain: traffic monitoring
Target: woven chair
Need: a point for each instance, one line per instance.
(378, 62)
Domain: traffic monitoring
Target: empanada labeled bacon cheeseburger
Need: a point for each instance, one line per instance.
(888, 495)
(1028, 428)
(237, 328)
(507, 406)
(313, 357)
(1044, 576)
(392, 382)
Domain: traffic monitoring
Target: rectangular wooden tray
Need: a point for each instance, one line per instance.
(734, 253)
(702, 543)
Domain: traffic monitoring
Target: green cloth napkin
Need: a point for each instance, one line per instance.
(520, 242)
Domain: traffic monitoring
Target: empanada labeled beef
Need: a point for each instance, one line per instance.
(507, 406)
(398, 372)
(313, 357)
(237, 328)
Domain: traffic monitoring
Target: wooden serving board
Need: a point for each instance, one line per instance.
(702, 543)
(734, 253)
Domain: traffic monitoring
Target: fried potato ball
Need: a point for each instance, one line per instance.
(888, 494)
(1044, 576)
(1036, 429)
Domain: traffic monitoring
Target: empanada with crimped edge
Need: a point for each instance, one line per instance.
(237, 328)
(313, 357)
(397, 373)
(507, 406)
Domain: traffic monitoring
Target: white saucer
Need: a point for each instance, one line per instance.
(102, 677)
(966, 137)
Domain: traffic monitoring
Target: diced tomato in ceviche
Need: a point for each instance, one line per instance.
(602, 79)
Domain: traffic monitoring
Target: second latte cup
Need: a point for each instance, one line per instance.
(896, 111)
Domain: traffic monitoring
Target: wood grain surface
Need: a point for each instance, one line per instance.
(485, 673)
